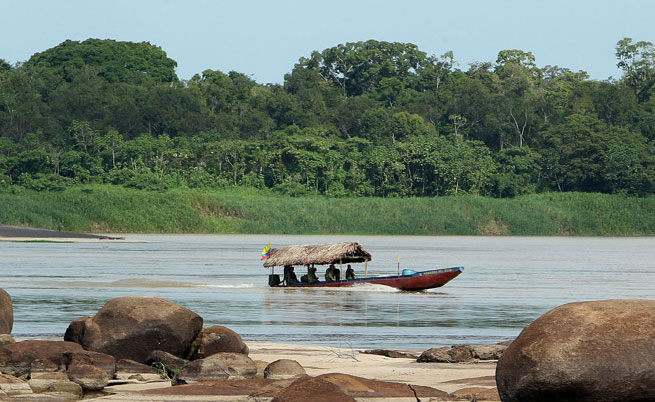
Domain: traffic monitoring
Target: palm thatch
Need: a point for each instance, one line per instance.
(301, 254)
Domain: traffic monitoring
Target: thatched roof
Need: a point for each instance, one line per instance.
(301, 254)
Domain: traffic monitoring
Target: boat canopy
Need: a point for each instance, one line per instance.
(301, 254)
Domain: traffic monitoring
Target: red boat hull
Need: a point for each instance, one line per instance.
(417, 281)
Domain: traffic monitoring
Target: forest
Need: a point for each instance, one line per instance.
(361, 119)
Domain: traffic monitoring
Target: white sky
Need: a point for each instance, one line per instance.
(265, 39)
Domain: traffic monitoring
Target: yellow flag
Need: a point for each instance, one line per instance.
(266, 251)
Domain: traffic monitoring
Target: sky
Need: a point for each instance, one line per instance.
(264, 39)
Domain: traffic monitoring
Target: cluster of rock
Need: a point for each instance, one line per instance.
(463, 353)
(130, 338)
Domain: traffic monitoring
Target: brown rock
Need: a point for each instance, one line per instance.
(88, 376)
(166, 363)
(132, 327)
(220, 366)
(312, 389)
(130, 366)
(6, 313)
(359, 387)
(454, 354)
(12, 386)
(216, 339)
(100, 360)
(44, 366)
(476, 394)
(261, 366)
(5, 339)
(395, 354)
(283, 369)
(16, 358)
(75, 330)
(589, 351)
(52, 382)
(488, 352)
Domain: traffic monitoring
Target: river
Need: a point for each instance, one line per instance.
(507, 282)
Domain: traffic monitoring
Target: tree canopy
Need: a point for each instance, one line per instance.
(369, 118)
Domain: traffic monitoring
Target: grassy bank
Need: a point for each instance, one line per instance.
(110, 209)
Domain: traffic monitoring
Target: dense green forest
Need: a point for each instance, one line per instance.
(359, 119)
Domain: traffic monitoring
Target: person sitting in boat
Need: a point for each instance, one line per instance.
(290, 276)
(337, 274)
(350, 273)
(311, 275)
(329, 273)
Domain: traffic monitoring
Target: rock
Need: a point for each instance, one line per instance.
(130, 366)
(6, 313)
(5, 339)
(80, 370)
(358, 387)
(12, 386)
(165, 363)
(488, 352)
(395, 354)
(216, 339)
(261, 366)
(75, 330)
(56, 381)
(588, 351)
(312, 389)
(44, 366)
(16, 358)
(283, 369)
(454, 354)
(100, 360)
(476, 394)
(132, 327)
(220, 366)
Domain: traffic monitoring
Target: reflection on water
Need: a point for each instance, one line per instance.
(507, 283)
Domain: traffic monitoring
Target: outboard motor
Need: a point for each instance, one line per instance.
(273, 279)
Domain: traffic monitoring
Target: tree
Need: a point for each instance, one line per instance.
(112, 60)
(637, 60)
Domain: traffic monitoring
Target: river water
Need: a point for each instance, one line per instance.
(507, 282)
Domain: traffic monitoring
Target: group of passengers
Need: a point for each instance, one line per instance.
(331, 274)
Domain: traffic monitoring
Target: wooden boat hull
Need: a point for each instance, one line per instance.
(416, 281)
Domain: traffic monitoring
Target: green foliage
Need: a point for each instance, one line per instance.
(113, 209)
(111, 60)
(359, 119)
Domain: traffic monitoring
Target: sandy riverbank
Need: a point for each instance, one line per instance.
(318, 360)
(20, 233)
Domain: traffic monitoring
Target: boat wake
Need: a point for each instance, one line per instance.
(122, 283)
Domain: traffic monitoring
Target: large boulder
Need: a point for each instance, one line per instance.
(221, 366)
(132, 327)
(6, 313)
(283, 369)
(216, 339)
(589, 351)
(16, 358)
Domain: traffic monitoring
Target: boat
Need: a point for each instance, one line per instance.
(347, 253)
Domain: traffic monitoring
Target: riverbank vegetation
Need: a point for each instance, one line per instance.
(364, 137)
(115, 209)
